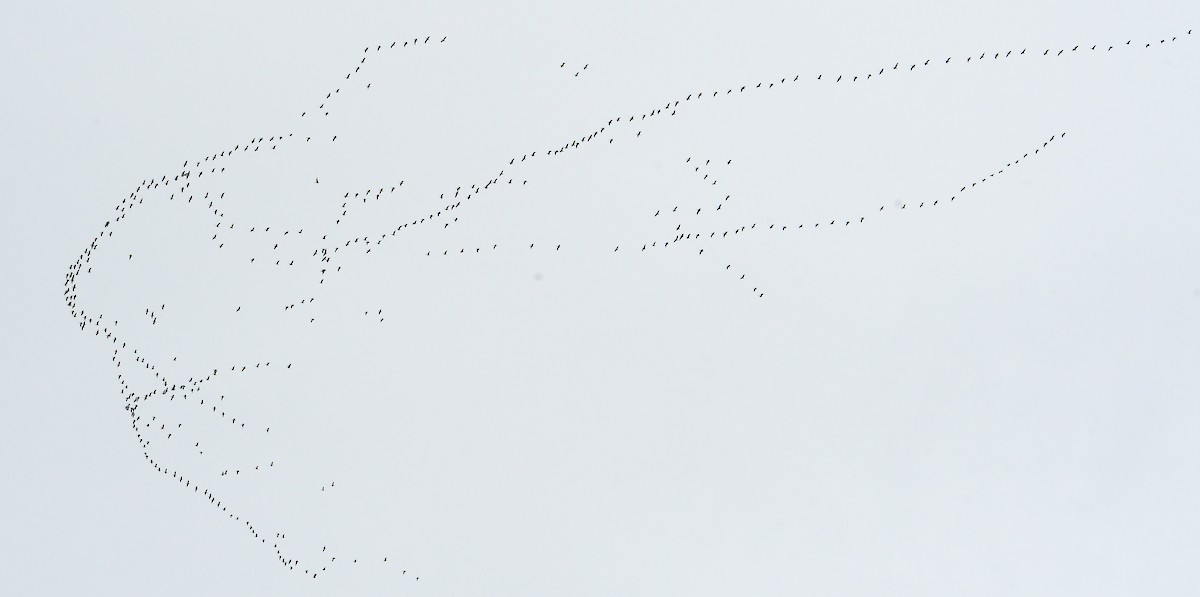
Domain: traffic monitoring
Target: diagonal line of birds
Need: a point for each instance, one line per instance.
(178, 186)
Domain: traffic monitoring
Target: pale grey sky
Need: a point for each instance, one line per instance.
(993, 394)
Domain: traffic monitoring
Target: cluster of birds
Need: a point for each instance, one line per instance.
(564, 65)
(444, 215)
(323, 255)
(191, 389)
(180, 188)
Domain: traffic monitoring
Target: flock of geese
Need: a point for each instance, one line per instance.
(322, 250)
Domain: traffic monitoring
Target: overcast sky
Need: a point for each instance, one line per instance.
(903, 322)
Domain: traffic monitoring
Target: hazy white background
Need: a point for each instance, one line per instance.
(996, 398)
